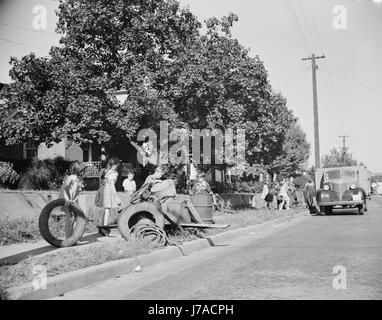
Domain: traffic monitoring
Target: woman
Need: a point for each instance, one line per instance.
(110, 196)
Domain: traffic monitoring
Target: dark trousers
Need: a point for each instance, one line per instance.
(309, 197)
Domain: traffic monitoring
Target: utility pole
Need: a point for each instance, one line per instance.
(344, 143)
(315, 109)
(344, 149)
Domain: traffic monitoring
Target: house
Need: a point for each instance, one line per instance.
(89, 153)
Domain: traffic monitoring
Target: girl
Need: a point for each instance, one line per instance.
(265, 193)
(70, 191)
(110, 197)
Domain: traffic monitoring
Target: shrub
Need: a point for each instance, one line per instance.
(4, 295)
(300, 181)
(8, 176)
(248, 186)
(45, 174)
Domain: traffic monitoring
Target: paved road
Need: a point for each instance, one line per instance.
(294, 261)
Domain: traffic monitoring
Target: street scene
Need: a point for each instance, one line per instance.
(178, 150)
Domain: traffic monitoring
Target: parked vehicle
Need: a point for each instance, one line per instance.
(343, 187)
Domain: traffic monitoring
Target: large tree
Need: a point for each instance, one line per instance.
(156, 52)
(295, 153)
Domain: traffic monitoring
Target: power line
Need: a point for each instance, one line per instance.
(298, 24)
(22, 44)
(329, 82)
(41, 31)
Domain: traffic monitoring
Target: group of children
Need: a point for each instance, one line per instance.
(283, 192)
(108, 194)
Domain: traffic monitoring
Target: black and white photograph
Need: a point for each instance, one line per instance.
(189, 155)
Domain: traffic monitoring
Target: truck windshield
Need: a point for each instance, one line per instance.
(348, 175)
(332, 175)
(343, 174)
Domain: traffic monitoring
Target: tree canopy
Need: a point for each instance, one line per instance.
(156, 51)
(337, 158)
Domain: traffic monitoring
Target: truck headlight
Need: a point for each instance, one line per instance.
(353, 186)
(326, 187)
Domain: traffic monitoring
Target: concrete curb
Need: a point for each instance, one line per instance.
(84, 277)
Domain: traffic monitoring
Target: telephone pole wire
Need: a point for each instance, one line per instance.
(313, 57)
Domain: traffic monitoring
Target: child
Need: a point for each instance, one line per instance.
(283, 195)
(269, 198)
(129, 184)
(155, 177)
(110, 196)
(70, 191)
(201, 186)
(265, 192)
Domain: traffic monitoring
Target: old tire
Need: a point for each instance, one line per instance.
(365, 205)
(322, 211)
(78, 231)
(133, 214)
(361, 210)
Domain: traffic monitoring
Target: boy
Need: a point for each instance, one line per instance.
(201, 186)
(129, 185)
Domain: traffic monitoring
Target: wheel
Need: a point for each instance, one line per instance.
(328, 210)
(365, 205)
(219, 203)
(131, 216)
(361, 210)
(322, 211)
(51, 223)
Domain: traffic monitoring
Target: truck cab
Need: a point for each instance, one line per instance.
(342, 187)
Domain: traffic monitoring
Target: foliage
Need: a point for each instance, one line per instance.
(169, 69)
(45, 174)
(301, 180)
(248, 186)
(4, 295)
(338, 159)
(295, 153)
(8, 176)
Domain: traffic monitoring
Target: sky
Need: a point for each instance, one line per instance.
(281, 32)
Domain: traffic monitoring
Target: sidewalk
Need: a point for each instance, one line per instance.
(14, 253)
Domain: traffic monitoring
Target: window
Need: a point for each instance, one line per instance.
(30, 149)
(348, 175)
(85, 150)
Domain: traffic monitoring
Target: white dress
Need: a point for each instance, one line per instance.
(110, 198)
